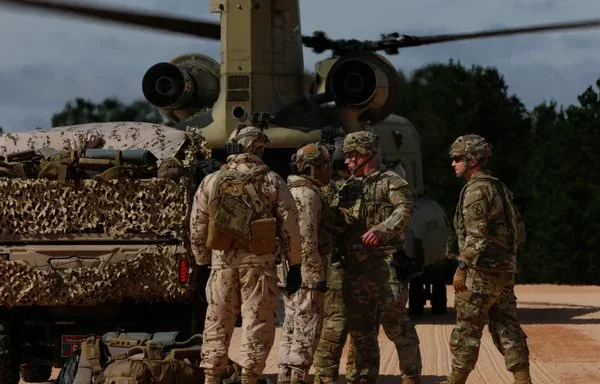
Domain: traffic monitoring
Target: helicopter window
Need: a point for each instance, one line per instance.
(236, 82)
(238, 96)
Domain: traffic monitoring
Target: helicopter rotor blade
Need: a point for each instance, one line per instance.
(198, 28)
(413, 41)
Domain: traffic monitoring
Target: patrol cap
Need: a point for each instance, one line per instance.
(363, 142)
(472, 147)
(248, 135)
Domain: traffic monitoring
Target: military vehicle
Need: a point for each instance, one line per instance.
(69, 269)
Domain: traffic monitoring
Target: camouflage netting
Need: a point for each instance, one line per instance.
(115, 207)
(150, 276)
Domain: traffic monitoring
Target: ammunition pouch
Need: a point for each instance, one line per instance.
(218, 239)
(263, 236)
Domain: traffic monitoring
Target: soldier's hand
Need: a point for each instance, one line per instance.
(459, 281)
(370, 238)
(293, 280)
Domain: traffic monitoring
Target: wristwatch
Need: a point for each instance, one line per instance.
(462, 265)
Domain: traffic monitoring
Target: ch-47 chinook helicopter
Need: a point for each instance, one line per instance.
(261, 70)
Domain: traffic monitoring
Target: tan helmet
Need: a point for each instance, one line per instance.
(363, 142)
(248, 136)
(472, 147)
(311, 155)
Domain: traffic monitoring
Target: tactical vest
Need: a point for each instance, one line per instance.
(512, 216)
(365, 203)
(239, 215)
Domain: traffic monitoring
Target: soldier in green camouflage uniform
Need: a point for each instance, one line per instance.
(377, 209)
(489, 232)
(335, 326)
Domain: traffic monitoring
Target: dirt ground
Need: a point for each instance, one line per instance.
(563, 328)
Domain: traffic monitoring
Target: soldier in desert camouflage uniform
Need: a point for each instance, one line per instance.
(377, 208)
(304, 309)
(489, 232)
(240, 278)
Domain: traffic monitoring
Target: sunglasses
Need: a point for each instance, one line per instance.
(458, 159)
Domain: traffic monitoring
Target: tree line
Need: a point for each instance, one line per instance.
(548, 156)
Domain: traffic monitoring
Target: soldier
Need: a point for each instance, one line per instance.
(489, 232)
(244, 196)
(377, 208)
(304, 309)
(335, 326)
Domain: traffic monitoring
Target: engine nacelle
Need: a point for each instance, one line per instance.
(185, 85)
(365, 83)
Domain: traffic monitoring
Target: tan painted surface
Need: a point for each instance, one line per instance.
(562, 322)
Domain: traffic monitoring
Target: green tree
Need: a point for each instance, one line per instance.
(563, 178)
(81, 111)
(445, 101)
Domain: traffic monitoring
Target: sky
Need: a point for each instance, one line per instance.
(48, 60)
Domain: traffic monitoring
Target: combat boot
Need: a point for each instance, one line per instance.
(522, 376)
(456, 377)
(249, 378)
(212, 379)
(411, 380)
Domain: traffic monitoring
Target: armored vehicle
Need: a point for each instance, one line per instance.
(93, 236)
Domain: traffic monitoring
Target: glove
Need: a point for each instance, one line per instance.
(321, 286)
(294, 280)
(459, 281)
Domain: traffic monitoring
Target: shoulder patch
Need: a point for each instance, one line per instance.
(395, 180)
(476, 209)
(475, 201)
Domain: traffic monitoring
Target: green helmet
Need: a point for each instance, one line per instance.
(472, 147)
(314, 155)
(248, 136)
(363, 142)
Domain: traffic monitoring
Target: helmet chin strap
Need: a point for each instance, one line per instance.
(362, 164)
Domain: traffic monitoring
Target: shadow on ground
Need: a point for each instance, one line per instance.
(383, 379)
(549, 314)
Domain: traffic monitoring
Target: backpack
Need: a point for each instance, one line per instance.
(134, 358)
(236, 213)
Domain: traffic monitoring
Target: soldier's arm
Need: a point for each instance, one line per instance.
(400, 197)
(199, 224)
(475, 210)
(287, 214)
(309, 212)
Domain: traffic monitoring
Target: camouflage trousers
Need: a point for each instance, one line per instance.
(489, 299)
(373, 295)
(253, 290)
(334, 334)
(300, 334)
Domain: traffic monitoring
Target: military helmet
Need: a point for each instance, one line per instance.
(472, 147)
(363, 142)
(314, 154)
(247, 136)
